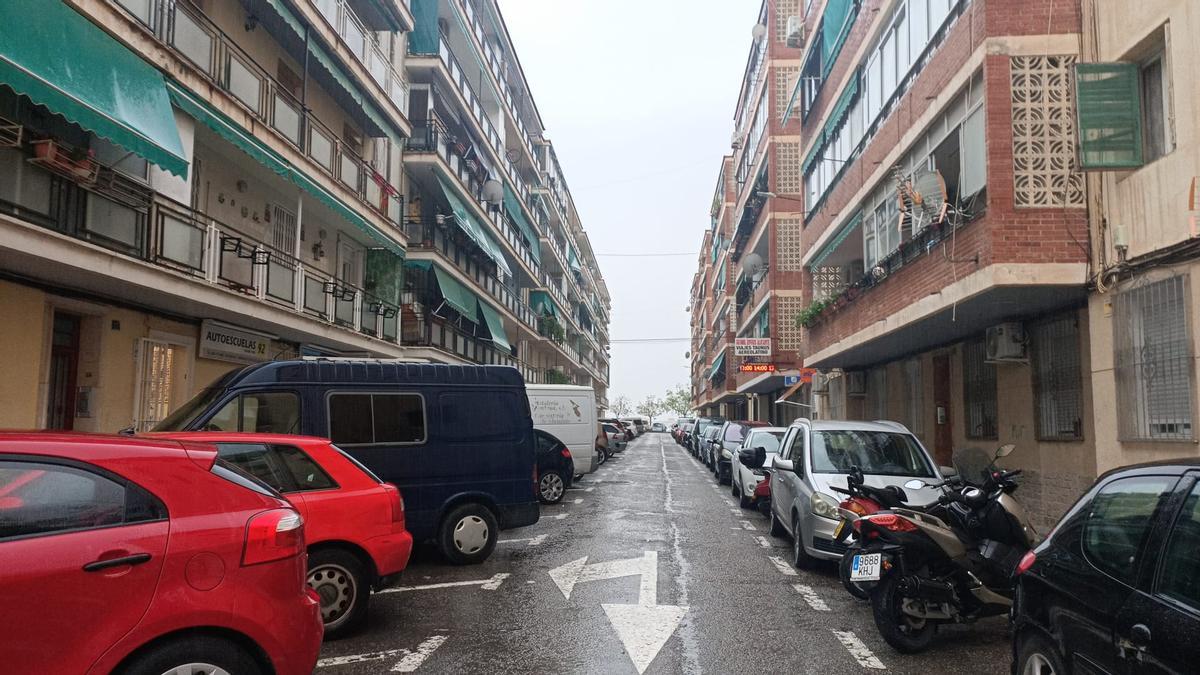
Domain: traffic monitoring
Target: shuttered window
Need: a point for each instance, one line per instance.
(1108, 104)
(1057, 379)
(979, 391)
(1155, 385)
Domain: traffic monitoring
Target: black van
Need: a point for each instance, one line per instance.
(457, 440)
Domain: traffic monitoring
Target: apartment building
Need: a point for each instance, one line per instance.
(750, 263)
(190, 185)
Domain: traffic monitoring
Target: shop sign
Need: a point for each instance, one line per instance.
(757, 368)
(752, 346)
(225, 343)
(806, 375)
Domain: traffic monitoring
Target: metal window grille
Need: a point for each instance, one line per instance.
(837, 398)
(877, 389)
(1057, 379)
(1154, 364)
(979, 391)
(916, 397)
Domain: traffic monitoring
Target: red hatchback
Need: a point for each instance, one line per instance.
(354, 522)
(141, 556)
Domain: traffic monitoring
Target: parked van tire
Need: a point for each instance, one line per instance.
(468, 534)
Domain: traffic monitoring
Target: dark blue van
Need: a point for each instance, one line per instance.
(457, 440)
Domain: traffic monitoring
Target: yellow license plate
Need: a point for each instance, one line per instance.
(837, 532)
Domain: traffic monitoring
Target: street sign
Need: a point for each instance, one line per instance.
(789, 380)
(806, 375)
(757, 368)
(752, 346)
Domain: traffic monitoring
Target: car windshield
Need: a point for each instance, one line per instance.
(768, 440)
(881, 453)
(735, 433)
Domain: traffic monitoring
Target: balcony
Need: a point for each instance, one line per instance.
(363, 44)
(422, 328)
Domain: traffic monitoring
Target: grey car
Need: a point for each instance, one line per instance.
(815, 455)
(744, 479)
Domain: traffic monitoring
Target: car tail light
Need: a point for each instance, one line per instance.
(397, 502)
(273, 535)
(892, 522)
(1026, 562)
(566, 453)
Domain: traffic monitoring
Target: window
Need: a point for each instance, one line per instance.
(1179, 579)
(916, 396)
(1057, 379)
(361, 419)
(1123, 110)
(482, 416)
(42, 498)
(1155, 132)
(283, 467)
(1154, 361)
(795, 451)
(261, 412)
(1118, 521)
(979, 391)
(810, 74)
(875, 452)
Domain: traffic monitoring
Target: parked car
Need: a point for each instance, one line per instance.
(744, 479)
(728, 441)
(685, 430)
(702, 423)
(708, 442)
(556, 469)
(147, 556)
(658, 427)
(626, 429)
(457, 440)
(616, 437)
(1115, 588)
(680, 426)
(567, 412)
(354, 522)
(816, 455)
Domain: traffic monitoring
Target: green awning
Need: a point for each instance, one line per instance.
(456, 295)
(513, 205)
(495, 325)
(257, 150)
(475, 230)
(542, 304)
(835, 27)
(329, 65)
(59, 59)
(718, 365)
(836, 240)
(424, 37)
(419, 264)
(572, 259)
(838, 113)
(814, 153)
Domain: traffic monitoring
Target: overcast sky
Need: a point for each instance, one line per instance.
(638, 97)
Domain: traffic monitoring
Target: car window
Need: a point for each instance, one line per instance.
(1180, 578)
(275, 412)
(735, 433)
(305, 473)
(880, 453)
(362, 419)
(795, 452)
(482, 416)
(545, 443)
(768, 440)
(1118, 520)
(41, 498)
(257, 460)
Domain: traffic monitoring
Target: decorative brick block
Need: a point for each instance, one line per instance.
(1043, 133)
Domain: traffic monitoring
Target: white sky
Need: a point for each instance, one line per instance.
(638, 97)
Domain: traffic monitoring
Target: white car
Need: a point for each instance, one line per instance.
(745, 479)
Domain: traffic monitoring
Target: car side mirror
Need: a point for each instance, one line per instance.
(753, 458)
(784, 465)
(947, 471)
(915, 484)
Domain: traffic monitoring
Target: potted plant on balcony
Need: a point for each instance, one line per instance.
(77, 164)
(808, 316)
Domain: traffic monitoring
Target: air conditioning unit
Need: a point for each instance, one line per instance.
(1006, 343)
(820, 383)
(795, 32)
(736, 141)
(856, 383)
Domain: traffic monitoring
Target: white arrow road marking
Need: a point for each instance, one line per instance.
(858, 650)
(781, 565)
(762, 541)
(810, 596)
(747, 525)
(578, 501)
(533, 541)
(560, 516)
(485, 584)
(588, 489)
(643, 628)
(409, 660)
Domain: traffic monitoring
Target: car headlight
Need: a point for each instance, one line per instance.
(824, 506)
(725, 454)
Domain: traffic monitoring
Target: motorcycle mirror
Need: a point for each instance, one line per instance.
(947, 471)
(915, 484)
(1005, 450)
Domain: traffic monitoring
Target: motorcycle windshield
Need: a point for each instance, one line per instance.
(972, 464)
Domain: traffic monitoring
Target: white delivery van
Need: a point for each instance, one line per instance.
(567, 412)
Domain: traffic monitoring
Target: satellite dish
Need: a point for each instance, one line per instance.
(922, 198)
(752, 265)
(758, 32)
(493, 191)
(512, 155)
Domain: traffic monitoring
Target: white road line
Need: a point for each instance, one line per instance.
(486, 584)
(560, 516)
(578, 501)
(409, 660)
(762, 541)
(810, 596)
(747, 525)
(533, 541)
(736, 512)
(588, 489)
(781, 565)
(858, 650)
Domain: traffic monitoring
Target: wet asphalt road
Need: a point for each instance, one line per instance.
(741, 611)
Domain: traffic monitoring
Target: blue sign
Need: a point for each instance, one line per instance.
(789, 380)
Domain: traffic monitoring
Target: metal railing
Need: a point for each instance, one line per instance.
(423, 328)
(366, 49)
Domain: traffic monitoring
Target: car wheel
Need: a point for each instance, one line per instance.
(800, 558)
(339, 579)
(733, 488)
(601, 456)
(744, 500)
(724, 476)
(777, 529)
(194, 655)
(551, 487)
(468, 534)
(1036, 656)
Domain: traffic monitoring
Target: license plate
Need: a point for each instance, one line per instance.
(865, 567)
(837, 531)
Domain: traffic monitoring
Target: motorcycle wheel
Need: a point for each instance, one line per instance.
(855, 588)
(906, 634)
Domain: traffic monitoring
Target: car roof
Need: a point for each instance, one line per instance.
(369, 371)
(779, 430)
(852, 425)
(86, 446)
(1179, 465)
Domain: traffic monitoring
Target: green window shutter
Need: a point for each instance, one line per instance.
(835, 28)
(1109, 109)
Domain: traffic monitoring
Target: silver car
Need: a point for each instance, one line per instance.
(815, 455)
(744, 479)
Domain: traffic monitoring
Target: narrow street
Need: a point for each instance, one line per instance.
(741, 606)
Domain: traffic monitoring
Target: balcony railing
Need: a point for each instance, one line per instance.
(422, 328)
(195, 37)
(366, 49)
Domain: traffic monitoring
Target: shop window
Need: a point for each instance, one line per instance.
(1155, 386)
(1057, 379)
(979, 391)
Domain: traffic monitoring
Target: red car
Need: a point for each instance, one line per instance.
(142, 556)
(354, 523)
